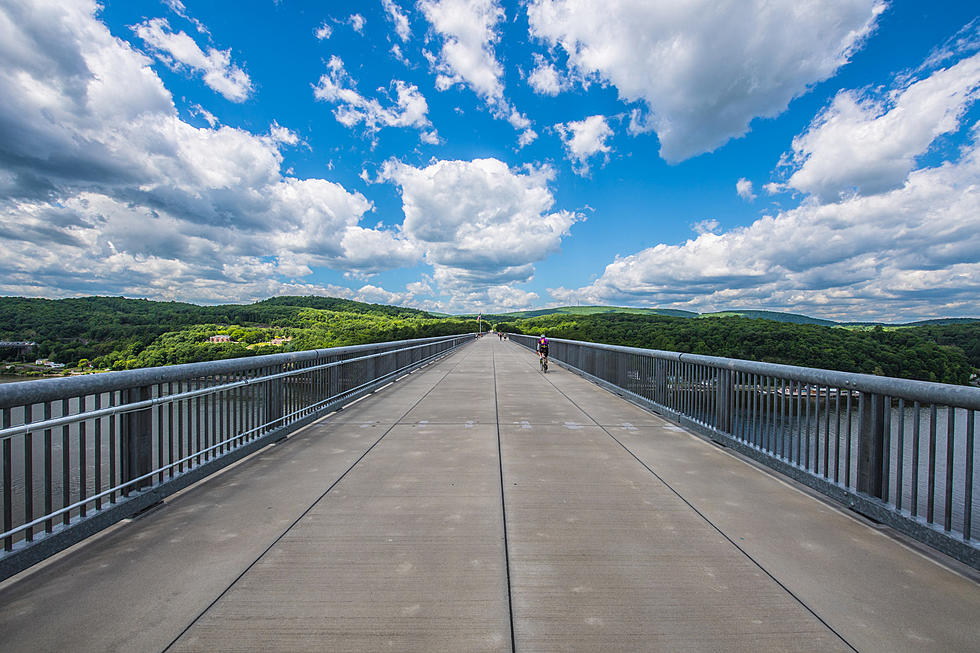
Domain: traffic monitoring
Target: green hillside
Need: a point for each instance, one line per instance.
(120, 333)
(775, 316)
(947, 354)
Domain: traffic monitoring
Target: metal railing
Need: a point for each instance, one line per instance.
(899, 451)
(78, 454)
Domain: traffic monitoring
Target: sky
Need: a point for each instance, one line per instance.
(461, 156)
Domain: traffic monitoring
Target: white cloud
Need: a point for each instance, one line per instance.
(910, 252)
(178, 8)
(479, 223)
(704, 70)
(323, 32)
(744, 189)
(336, 86)
(283, 135)
(865, 144)
(181, 51)
(544, 79)
(527, 137)
(399, 18)
(210, 118)
(708, 226)
(584, 139)
(129, 199)
(468, 29)
(503, 299)
(357, 22)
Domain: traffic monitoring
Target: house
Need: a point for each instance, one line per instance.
(221, 338)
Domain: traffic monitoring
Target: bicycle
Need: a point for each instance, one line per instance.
(544, 363)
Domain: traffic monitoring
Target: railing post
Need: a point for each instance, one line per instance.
(136, 440)
(274, 400)
(723, 401)
(871, 446)
(660, 381)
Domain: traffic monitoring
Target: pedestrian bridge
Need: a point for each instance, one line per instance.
(479, 505)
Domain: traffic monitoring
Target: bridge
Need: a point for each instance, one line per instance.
(467, 502)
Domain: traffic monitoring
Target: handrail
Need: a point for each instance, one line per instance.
(78, 454)
(897, 450)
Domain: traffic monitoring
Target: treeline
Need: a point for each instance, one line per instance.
(118, 333)
(942, 353)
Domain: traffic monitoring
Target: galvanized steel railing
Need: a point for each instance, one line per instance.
(81, 453)
(899, 451)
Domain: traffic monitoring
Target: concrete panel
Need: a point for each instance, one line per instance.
(405, 554)
(605, 557)
(879, 594)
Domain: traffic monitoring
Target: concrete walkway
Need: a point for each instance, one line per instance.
(478, 505)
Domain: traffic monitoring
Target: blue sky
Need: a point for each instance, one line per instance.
(477, 155)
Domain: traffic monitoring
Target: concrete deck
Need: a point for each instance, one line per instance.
(479, 505)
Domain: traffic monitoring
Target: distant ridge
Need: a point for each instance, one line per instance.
(775, 316)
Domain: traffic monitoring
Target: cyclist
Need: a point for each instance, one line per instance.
(543, 352)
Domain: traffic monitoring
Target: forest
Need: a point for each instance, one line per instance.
(117, 333)
(946, 353)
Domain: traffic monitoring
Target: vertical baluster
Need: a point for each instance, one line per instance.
(968, 488)
(97, 463)
(950, 455)
(931, 488)
(807, 429)
(815, 396)
(916, 419)
(112, 449)
(65, 465)
(161, 439)
(770, 414)
(800, 430)
(8, 484)
(847, 452)
(900, 457)
(48, 472)
(886, 451)
(28, 473)
(837, 438)
(82, 459)
(786, 419)
(181, 430)
(171, 432)
(826, 430)
(200, 419)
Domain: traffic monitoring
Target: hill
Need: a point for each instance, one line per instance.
(123, 333)
(120, 333)
(943, 353)
(775, 316)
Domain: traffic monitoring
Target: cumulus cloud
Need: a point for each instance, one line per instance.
(337, 86)
(479, 223)
(399, 19)
(130, 199)
(703, 70)
(829, 259)
(468, 29)
(744, 189)
(357, 22)
(584, 139)
(179, 51)
(323, 32)
(544, 79)
(867, 144)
